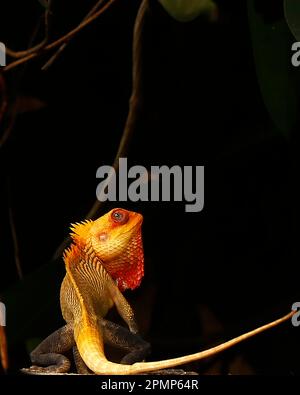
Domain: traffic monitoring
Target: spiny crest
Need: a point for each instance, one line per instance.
(80, 231)
(67, 253)
(71, 253)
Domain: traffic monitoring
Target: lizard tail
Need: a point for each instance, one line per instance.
(90, 346)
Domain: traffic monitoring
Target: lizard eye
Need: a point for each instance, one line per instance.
(119, 216)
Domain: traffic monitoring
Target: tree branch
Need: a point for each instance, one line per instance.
(61, 40)
(38, 47)
(135, 105)
(3, 349)
(15, 244)
(64, 45)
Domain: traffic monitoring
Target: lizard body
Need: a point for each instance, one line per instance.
(105, 259)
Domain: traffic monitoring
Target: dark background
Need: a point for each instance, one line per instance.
(210, 275)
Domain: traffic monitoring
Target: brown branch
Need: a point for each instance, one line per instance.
(4, 107)
(167, 372)
(38, 47)
(15, 244)
(3, 98)
(7, 132)
(64, 45)
(3, 112)
(136, 96)
(3, 349)
(61, 40)
(135, 104)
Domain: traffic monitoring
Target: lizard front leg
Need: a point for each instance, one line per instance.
(48, 356)
(121, 337)
(123, 307)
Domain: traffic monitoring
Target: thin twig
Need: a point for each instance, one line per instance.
(3, 97)
(3, 111)
(7, 131)
(135, 99)
(3, 349)
(135, 105)
(15, 243)
(61, 40)
(63, 46)
(39, 46)
(4, 108)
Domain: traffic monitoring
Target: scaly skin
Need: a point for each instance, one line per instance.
(106, 258)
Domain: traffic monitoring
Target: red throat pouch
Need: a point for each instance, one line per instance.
(128, 269)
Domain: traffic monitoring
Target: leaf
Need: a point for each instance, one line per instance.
(44, 3)
(277, 79)
(187, 10)
(292, 16)
(28, 104)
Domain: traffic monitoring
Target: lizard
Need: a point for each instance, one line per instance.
(105, 258)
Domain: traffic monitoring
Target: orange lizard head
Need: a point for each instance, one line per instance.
(115, 238)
